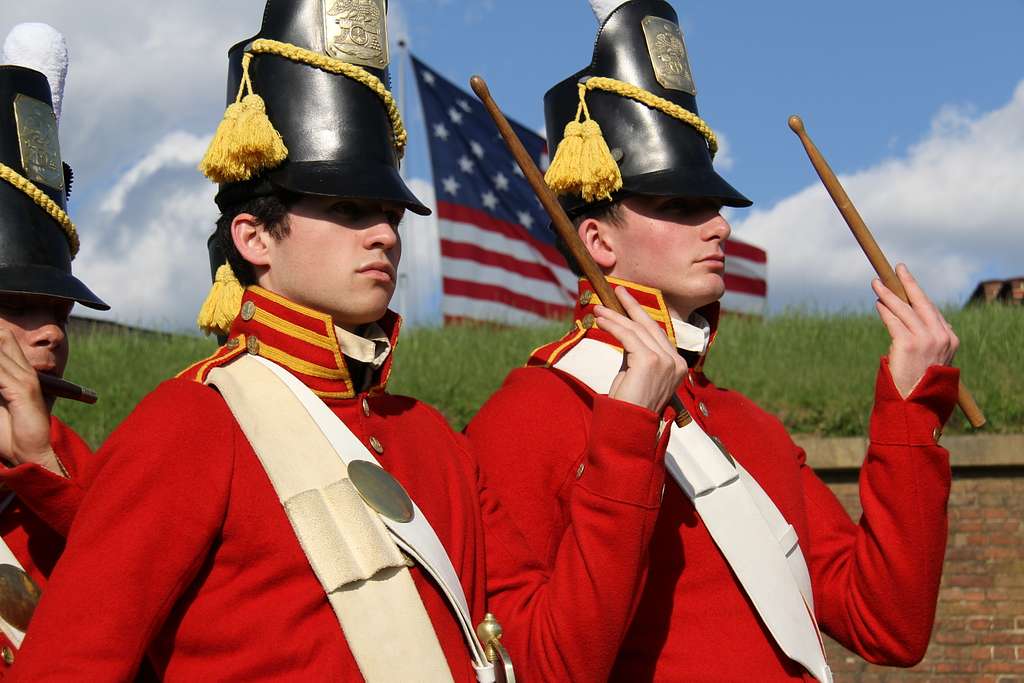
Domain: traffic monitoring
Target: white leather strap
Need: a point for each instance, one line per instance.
(416, 537)
(7, 557)
(758, 543)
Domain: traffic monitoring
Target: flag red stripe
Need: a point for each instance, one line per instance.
(477, 290)
(747, 285)
(464, 214)
(746, 251)
(472, 252)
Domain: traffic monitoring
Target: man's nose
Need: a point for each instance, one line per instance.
(717, 227)
(47, 335)
(382, 236)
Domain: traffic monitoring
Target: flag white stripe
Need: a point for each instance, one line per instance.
(492, 241)
(479, 309)
(474, 271)
(751, 269)
(738, 302)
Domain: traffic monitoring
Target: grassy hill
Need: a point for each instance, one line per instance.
(815, 371)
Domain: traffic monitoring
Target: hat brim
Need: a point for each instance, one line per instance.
(350, 181)
(48, 281)
(698, 183)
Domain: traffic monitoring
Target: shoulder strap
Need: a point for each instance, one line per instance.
(753, 536)
(13, 633)
(349, 549)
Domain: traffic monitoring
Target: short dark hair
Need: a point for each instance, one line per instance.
(271, 211)
(604, 211)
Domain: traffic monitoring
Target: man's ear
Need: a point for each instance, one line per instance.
(251, 240)
(594, 235)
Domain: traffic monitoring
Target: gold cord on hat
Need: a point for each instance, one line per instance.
(653, 101)
(337, 66)
(583, 165)
(44, 202)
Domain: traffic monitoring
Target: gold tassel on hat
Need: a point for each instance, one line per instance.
(222, 303)
(246, 141)
(583, 164)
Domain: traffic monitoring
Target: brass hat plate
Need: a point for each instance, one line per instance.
(355, 31)
(37, 136)
(19, 595)
(380, 490)
(668, 54)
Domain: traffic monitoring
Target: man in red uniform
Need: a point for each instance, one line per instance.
(218, 541)
(751, 553)
(39, 485)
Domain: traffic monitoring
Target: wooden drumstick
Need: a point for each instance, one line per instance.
(870, 247)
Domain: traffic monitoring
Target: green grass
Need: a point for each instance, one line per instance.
(815, 371)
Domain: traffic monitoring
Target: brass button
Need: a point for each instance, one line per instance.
(248, 310)
(588, 321)
(702, 408)
(579, 470)
(585, 298)
(937, 434)
(366, 407)
(232, 343)
(252, 345)
(8, 655)
(375, 445)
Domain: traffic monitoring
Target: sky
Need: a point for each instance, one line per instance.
(919, 106)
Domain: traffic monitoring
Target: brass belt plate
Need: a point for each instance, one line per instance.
(19, 595)
(380, 490)
(356, 31)
(668, 54)
(37, 136)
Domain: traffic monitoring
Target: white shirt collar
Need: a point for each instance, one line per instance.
(694, 335)
(371, 347)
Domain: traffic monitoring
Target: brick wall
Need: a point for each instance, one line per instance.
(979, 629)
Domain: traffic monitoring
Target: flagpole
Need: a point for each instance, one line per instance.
(403, 55)
(402, 58)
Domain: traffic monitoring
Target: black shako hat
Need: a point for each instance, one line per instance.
(320, 67)
(37, 238)
(640, 90)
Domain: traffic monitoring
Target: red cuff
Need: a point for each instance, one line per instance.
(53, 498)
(625, 460)
(918, 419)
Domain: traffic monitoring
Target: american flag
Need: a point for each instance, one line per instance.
(498, 258)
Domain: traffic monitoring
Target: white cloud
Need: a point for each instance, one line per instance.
(178, 150)
(950, 208)
(723, 158)
(147, 256)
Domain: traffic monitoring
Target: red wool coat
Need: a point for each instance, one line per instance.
(182, 549)
(37, 518)
(875, 583)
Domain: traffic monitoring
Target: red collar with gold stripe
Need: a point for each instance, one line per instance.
(297, 338)
(583, 321)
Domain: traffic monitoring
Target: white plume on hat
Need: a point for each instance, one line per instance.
(602, 8)
(40, 47)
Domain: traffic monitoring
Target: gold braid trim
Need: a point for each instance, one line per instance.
(653, 101)
(44, 202)
(336, 66)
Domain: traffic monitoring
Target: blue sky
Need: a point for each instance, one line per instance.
(918, 105)
(867, 77)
